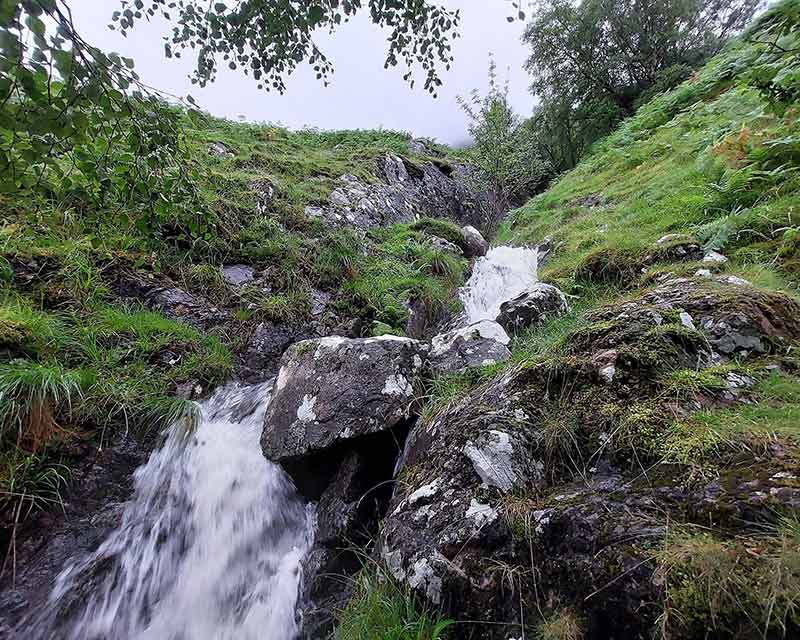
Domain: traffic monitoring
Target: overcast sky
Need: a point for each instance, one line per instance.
(362, 95)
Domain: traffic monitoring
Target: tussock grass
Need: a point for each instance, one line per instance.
(734, 587)
(31, 396)
(380, 609)
(561, 625)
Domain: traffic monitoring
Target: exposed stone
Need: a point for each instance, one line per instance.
(714, 258)
(444, 245)
(331, 390)
(220, 149)
(671, 237)
(264, 191)
(480, 344)
(174, 302)
(502, 460)
(531, 307)
(238, 274)
(675, 247)
(589, 201)
(266, 346)
(474, 244)
(687, 320)
(403, 192)
(739, 282)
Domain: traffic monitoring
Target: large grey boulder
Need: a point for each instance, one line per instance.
(331, 390)
(532, 306)
(477, 345)
(402, 192)
(475, 245)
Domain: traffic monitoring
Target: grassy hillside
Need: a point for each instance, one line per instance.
(714, 163)
(712, 166)
(78, 363)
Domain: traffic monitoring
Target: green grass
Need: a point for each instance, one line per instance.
(713, 159)
(776, 410)
(62, 320)
(380, 609)
(734, 588)
(399, 267)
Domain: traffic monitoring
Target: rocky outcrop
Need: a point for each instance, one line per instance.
(533, 306)
(535, 479)
(337, 421)
(405, 190)
(477, 345)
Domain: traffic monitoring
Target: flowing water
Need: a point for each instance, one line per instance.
(210, 543)
(502, 274)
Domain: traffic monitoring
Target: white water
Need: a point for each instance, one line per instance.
(501, 275)
(210, 544)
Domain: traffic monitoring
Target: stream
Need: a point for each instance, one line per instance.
(211, 543)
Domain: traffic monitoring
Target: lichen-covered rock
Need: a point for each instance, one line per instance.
(475, 245)
(734, 316)
(331, 390)
(238, 274)
(563, 464)
(477, 345)
(404, 191)
(444, 520)
(533, 306)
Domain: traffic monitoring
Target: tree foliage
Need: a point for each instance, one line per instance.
(502, 152)
(594, 62)
(78, 125)
(270, 38)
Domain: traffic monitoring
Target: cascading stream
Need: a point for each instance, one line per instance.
(211, 544)
(501, 275)
(209, 548)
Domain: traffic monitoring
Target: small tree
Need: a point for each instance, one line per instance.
(503, 152)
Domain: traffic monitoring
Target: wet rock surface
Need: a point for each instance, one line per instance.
(405, 191)
(533, 306)
(102, 481)
(477, 345)
(475, 245)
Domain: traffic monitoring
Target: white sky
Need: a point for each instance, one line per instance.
(362, 93)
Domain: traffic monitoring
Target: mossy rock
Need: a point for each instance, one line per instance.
(618, 267)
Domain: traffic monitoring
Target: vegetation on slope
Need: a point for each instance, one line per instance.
(713, 164)
(78, 362)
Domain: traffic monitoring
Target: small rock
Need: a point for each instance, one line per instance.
(687, 321)
(672, 237)
(702, 273)
(219, 149)
(474, 244)
(237, 274)
(479, 344)
(712, 257)
(735, 280)
(535, 305)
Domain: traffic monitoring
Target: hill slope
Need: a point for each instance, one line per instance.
(652, 433)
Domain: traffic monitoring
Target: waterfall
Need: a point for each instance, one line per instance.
(501, 275)
(209, 547)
